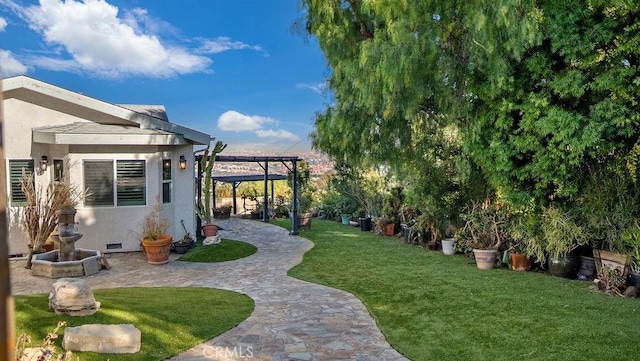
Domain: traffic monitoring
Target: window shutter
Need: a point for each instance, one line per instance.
(16, 167)
(131, 183)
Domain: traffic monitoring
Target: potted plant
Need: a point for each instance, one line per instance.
(156, 242)
(517, 257)
(562, 235)
(483, 232)
(203, 208)
(631, 237)
(183, 245)
(222, 212)
(449, 242)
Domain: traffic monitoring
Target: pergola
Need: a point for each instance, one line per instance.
(290, 162)
(236, 180)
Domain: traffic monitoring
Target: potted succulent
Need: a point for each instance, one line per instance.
(483, 232)
(156, 242)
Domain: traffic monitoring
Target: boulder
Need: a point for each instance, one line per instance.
(72, 296)
(121, 338)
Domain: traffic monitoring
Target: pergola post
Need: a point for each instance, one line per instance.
(294, 206)
(265, 208)
(235, 207)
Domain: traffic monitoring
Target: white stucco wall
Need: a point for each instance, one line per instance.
(99, 225)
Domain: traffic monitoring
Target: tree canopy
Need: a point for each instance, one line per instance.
(529, 95)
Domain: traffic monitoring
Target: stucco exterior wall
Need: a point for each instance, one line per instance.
(100, 226)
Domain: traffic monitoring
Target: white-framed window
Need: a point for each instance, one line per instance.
(16, 168)
(120, 184)
(166, 181)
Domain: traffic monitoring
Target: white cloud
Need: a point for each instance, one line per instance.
(279, 134)
(101, 42)
(238, 122)
(3, 24)
(223, 43)
(9, 65)
(318, 88)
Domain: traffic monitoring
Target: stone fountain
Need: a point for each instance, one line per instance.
(66, 261)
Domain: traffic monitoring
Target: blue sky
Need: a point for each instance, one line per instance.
(234, 69)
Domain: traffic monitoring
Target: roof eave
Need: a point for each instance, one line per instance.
(108, 139)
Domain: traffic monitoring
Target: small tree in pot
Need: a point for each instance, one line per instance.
(483, 232)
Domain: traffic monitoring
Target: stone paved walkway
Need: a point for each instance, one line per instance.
(292, 320)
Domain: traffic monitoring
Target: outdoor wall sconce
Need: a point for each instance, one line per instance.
(44, 162)
(182, 163)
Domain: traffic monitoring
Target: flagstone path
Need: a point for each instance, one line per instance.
(293, 320)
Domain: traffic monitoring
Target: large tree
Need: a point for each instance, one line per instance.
(570, 107)
(535, 93)
(404, 76)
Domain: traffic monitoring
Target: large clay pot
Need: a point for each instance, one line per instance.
(566, 267)
(158, 250)
(520, 262)
(210, 230)
(485, 258)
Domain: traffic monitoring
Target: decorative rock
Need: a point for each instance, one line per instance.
(631, 291)
(122, 338)
(72, 296)
(211, 240)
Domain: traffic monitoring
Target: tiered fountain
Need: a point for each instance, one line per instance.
(66, 261)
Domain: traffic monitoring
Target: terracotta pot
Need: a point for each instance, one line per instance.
(210, 230)
(520, 262)
(485, 258)
(389, 229)
(158, 250)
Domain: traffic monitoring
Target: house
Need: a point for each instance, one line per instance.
(124, 155)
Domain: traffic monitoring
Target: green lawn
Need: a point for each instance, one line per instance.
(170, 320)
(226, 250)
(436, 307)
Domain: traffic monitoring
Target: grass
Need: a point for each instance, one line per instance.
(171, 320)
(226, 250)
(436, 307)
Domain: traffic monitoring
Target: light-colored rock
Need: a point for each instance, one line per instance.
(211, 240)
(122, 338)
(72, 296)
